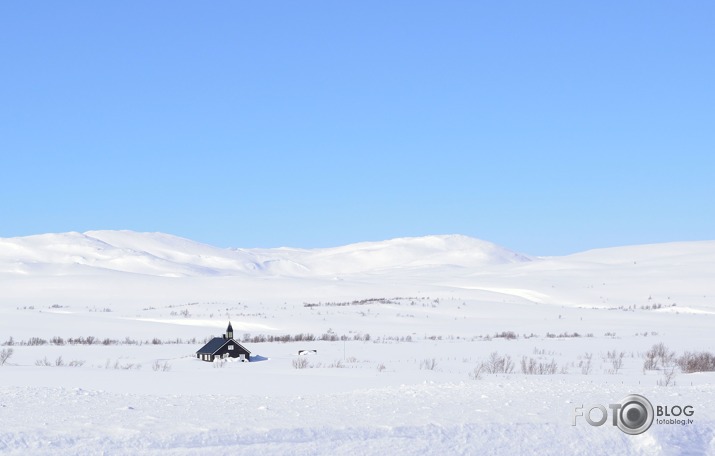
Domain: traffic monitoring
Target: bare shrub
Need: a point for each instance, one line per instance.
(658, 353)
(329, 336)
(159, 366)
(59, 361)
(336, 364)
(650, 362)
(616, 360)
(668, 376)
(531, 366)
(300, 363)
(428, 364)
(381, 367)
(76, 363)
(122, 366)
(509, 335)
(43, 362)
(476, 373)
(616, 365)
(57, 341)
(5, 354)
(562, 335)
(688, 363)
(665, 355)
(498, 364)
(585, 363)
(303, 337)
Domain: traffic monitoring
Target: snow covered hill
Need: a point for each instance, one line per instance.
(171, 256)
(119, 267)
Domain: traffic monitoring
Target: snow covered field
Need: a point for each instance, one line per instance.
(401, 330)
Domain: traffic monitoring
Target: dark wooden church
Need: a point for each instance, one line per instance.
(223, 347)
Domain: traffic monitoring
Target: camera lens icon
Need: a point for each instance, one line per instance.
(636, 414)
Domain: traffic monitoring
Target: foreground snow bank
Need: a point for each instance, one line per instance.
(497, 415)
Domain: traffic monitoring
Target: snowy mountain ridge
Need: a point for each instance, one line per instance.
(171, 256)
(122, 267)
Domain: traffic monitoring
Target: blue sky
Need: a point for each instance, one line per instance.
(547, 127)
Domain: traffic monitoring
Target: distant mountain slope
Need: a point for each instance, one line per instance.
(446, 250)
(125, 268)
(68, 253)
(670, 252)
(171, 256)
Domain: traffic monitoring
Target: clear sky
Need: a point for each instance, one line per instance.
(548, 127)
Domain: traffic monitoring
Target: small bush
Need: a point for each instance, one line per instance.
(158, 366)
(498, 364)
(476, 373)
(300, 363)
(43, 362)
(5, 354)
(658, 353)
(585, 363)
(668, 376)
(688, 363)
(57, 341)
(119, 366)
(616, 365)
(562, 335)
(428, 364)
(531, 366)
(616, 360)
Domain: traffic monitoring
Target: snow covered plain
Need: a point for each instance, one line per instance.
(414, 320)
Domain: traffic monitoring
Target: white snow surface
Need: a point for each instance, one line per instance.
(396, 307)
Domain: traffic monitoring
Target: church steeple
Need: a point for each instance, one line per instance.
(229, 331)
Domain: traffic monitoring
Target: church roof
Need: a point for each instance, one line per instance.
(215, 345)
